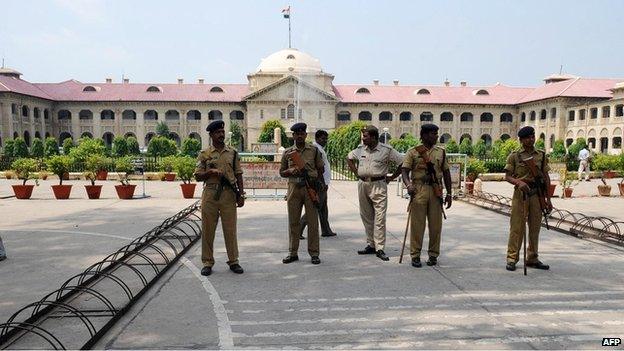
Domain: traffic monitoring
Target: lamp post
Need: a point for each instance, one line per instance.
(385, 134)
(229, 138)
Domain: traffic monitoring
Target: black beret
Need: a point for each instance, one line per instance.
(426, 128)
(299, 127)
(526, 131)
(214, 125)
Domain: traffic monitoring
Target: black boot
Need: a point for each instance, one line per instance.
(432, 261)
(416, 262)
(290, 258)
(510, 266)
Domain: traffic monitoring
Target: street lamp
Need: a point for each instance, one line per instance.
(385, 134)
(229, 138)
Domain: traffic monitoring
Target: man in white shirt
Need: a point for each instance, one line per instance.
(583, 156)
(320, 140)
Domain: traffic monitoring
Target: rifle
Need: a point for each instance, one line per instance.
(296, 159)
(224, 182)
(541, 188)
(435, 183)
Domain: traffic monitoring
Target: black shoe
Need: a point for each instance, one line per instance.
(510, 266)
(236, 268)
(290, 258)
(206, 271)
(316, 260)
(416, 262)
(538, 265)
(367, 251)
(328, 234)
(382, 255)
(301, 237)
(432, 261)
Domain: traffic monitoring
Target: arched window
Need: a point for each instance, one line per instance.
(25, 111)
(27, 137)
(108, 139)
(47, 134)
(36, 113)
(405, 116)
(593, 113)
(423, 91)
(172, 115)
(569, 142)
(216, 89)
(46, 114)
(63, 136)
(553, 112)
(290, 111)
(465, 136)
(362, 91)
(195, 136)
(385, 116)
(571, 115)
(426, 116)
(37, 135)
(384, 137)
(107, 115)
(532, 116)
(175, 137)
(193, 115)
(582, 114)
(63, 115)
(482, 92)
(150, 115)
(128, 114)
(445, 138)
(15, 135)
(89, 88)
(543, 114)
(290, 57)
(129, 135)
(542, 136)
(523, 117)
(616, 143)
(14, 109)
(149, 137)
(487, 117)
(365, 116)
(552, 140)
(505, 137)
(85, 114)
(215, 115)
(487, 139)
(86, 135)
(237, 115)
(606, 111)
(466, 117)
(506, 117)
(446, 117)
(343, 116)
(154, 89)
(619, 110)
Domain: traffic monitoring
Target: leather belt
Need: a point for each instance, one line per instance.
(295, 179)
(372, 179)
(211, 186)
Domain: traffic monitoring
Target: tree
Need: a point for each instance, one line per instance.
(559, 150)
(465, 147)
(237, 134)
(480, 148)
(120, 146)
(86, 147)
(540, 144)
(509, 146)
(451, 147)
(9, 146)
(68, 144)
(575, 148)
(37, 148)
(405, 143)
(162, 129)
(133, 146)
(266, 134)
(161, 146)
(190, 147)
(496, 148)
(51, 147)
(20, 149)
(344, 139)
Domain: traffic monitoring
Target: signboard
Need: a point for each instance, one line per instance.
(263, 175)
(556, 169)
(268, 148)
(139, 165)
(455, 169)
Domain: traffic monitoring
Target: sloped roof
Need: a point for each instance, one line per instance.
(19, 86)
(577, 87)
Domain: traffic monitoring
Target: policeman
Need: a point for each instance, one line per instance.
(219, 168)
(525, 202)
(425, 204)
(373, 160)
(302, 183)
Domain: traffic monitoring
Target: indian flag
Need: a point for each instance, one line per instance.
(286, 12)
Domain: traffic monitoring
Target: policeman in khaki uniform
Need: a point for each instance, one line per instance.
(298, 195)
(219, 168)
(374, 160)
(425, 205)
(517, 172)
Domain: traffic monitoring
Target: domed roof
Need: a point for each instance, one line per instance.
(5, 71)
(289, 60)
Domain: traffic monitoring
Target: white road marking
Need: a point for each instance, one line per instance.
(422, 329)
(226, 340)
(33, 231)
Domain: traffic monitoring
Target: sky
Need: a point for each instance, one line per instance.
(516, 43)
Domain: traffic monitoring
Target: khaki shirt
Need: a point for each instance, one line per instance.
(418, 168)
(375, 162)
(520, 170)
(224, 160)
(310, 155)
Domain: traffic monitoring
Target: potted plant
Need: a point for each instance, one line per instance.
(123, 166)
(60, 165)
(621, 169)
(606, 164)
(185, 168)
(102, 171)
(474, 168)
(23, 168)
(43, 175)
(567, 185)
(92, 165)
(9, 174)
(166, 165)
(604, 189)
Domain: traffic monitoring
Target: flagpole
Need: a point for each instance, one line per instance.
(289, 42)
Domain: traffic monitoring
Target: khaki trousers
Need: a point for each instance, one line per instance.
(296, 199)
(373, 198)
(211, 210)
(518, 227)
(583, 168)
(425, 207)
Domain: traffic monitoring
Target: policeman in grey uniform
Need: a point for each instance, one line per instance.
(374, 160)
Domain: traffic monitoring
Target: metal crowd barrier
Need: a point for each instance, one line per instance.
(564, 221)
(87, 305)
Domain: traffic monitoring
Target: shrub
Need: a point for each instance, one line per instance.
(87, 147)
(162, 129)
(59, 165)
(480, 148)
(237, 134)
(51, 147)
(603, 162)
(540, 144)
(475, 168)
(37, 149)
(344, 139)
(133, 146)
(185, 168)
(191, 147)
(577, 146)
(266, 134)
(167, 164)
(451, 147)
(120, 147)
(465, 147)
(8, 148)
(405, 143)
(93, 164)
(161, 146)
(23, 168)
(123, 166)
(68, 144)
(559, 150)
(20, 149)
(509, 146)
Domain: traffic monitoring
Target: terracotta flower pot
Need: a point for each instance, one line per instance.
(551, 189)
(101, 174)
(170, 177)
(609, 174)
(23, 191)
(188, 190)
(66, 176)
(621, 187)
(125, 192)
(61, 192)
(604, 190)
(567, 192)
(93, 191)
(470, 187)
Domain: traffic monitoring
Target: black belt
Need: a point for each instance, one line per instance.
(372, 179)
